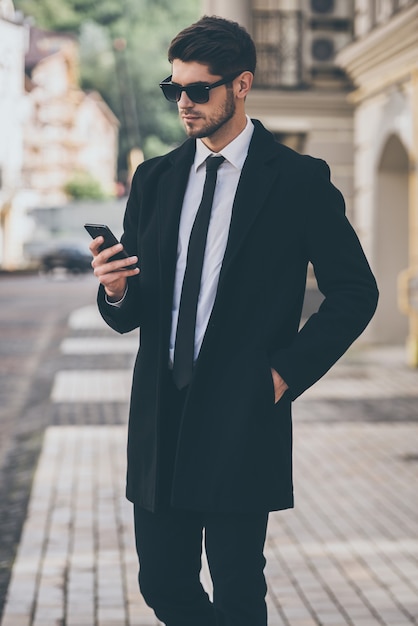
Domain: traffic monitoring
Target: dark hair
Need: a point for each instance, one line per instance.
(224, 46)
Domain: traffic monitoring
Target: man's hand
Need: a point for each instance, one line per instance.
(279, 385)
(111, 274)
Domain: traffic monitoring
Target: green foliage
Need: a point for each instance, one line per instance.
(123, 55)
(153, 146)
(51, 14)
(82, 186)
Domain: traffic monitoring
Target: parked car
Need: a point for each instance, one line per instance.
(66, 257)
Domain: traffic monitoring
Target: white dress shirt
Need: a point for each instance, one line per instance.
(229, 174)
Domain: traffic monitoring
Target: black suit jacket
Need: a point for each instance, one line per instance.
(235, 444)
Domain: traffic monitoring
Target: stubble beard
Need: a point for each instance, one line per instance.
(216, 122)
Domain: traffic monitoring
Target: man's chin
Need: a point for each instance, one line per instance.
(193, 131)
(194, 134)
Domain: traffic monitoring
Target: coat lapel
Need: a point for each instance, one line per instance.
(258, 175)
(172, 187)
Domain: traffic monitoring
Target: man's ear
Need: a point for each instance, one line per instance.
(244, 84)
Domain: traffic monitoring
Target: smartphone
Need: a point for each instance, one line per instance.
(102, 230)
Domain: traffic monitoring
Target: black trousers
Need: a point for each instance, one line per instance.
(169, 546)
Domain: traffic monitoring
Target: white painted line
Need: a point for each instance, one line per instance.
(371, 386)
(92, 386)
(99, 345)
(87, 317)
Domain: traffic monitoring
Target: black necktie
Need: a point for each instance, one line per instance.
(186, 324)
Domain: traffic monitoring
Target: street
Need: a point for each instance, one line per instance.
(34, 314)
(347, 554)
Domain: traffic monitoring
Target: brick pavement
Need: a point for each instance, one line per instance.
(347, 554)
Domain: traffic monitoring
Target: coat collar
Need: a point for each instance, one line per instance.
(172, 184)
(263, 149)
(258, 175)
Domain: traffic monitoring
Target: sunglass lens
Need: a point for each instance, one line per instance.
(171, 92)
(198, 94)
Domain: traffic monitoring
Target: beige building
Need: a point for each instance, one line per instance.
(12, 53)
(383, 64)
(67, 130)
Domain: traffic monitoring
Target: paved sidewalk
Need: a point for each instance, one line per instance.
(346, 555)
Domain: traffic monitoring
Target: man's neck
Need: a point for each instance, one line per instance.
(226, 134)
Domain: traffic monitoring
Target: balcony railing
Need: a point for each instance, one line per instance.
(278, 37)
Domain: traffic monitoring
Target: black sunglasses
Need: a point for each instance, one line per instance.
(197, 92)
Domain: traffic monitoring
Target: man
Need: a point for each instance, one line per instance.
(210, 442)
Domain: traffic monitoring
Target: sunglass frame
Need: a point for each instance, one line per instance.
(205, 89)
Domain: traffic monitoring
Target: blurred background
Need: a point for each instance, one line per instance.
(80, 108)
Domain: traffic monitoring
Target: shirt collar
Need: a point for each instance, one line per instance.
(235, 152)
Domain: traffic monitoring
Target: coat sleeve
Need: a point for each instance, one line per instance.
(127, 316)
(344, 278)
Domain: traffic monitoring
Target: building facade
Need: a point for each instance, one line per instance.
(67, 130)
(383, 64)
(12, 54)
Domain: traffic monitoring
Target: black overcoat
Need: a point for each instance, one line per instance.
(235, 445)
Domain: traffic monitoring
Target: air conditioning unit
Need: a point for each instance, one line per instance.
(321, 47)
(329, 9)
(328, 27)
